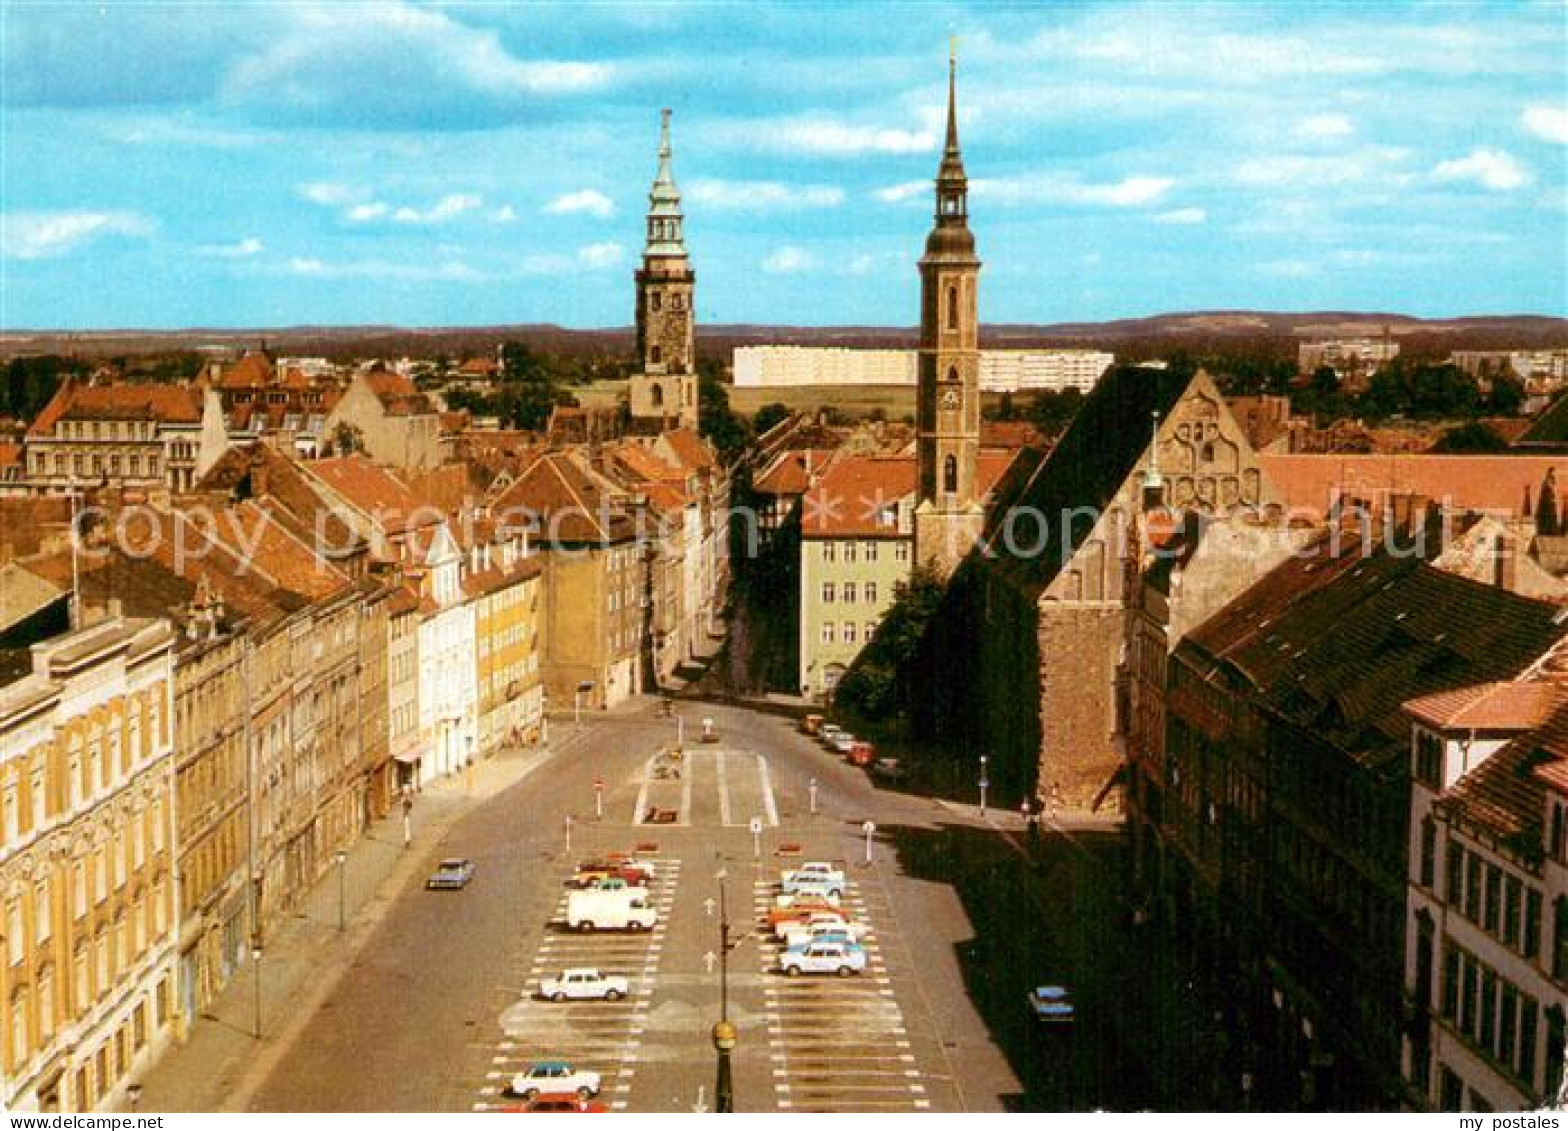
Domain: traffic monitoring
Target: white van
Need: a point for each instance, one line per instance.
(625, 910)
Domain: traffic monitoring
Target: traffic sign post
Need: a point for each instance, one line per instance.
(756, 837)
(598, 798)
(568, 833)
(985, 783)
(812, 789)
(869, 828)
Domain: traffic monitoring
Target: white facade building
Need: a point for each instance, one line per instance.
(448, 681)
(1001, 371)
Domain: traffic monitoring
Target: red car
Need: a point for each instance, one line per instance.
(592, 871)
(558, 1103)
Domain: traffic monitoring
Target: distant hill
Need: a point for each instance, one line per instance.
(1197, 332)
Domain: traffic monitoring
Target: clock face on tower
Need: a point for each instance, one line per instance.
(950, 398)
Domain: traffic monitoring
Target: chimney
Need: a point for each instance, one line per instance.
(258, 475)
(1505, 561)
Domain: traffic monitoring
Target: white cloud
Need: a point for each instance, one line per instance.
(241, 250)
(1182, 216)
(600, 255)
(304, 265)
(329, 192)
(589, 201)
(362, 212)
(824, 137)
(1490, 168)
(788, 260)
(862, 264)
(1129, 192)
(1288, 268)
(1325, 127)
(544, 263)
(1547, 122)
(504, 214)
(717, 194)
(43, 235)
(452, 271)
(894, 194)
(1295, 170)
(449, 206)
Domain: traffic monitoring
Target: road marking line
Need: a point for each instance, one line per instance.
(686, 775)
(640, 806)
(769, 805)
(721, 759)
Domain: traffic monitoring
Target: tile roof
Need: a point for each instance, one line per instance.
(644, 465)
(167, 404)
(375, 492)
(690, 448)
(253, 371)
(24, 594)
(852, 496)
(1496, 706)
(1506, 794)
(789, 473)
(397, 393)
(1008, 434)
(1495, 484)
(1088, 466)
(563, 504)
(1338, 644)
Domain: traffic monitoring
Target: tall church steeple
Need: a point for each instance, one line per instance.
(665, 388)
(948, 513)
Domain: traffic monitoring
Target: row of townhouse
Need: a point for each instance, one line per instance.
(338, 640)
(1342, 766)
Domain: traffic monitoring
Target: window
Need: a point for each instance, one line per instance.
(1473, 888)
(952, 292)
(950, 474)
(849, 632)
(655, 299)
(829, 552)
(20, 1052)
(901, 552)
(1513, 896)
(849, 551)
(1486, 1030)
(1558, 842)
(849, 592)
(1554, 1058)
(828, 592)
(871, 630)
(40, 803)
(655, 354)
(43, 910)
(871, 551)
(1507, 1024)
(827, 632)
(13, 814)
(1429, 759)
(1560, 939)
(1528, 1011)
(1428, 851)
(871, 592)
(15, 936)
(1532, 923)
(1494, 898)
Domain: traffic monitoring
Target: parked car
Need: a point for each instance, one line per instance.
(842, 742)
(827, 732)
(889, 770)
(554, 1077)
(821, 886)
(593, 874)
(860, 752)
(811, 724)
(812, 869)
(800, 909)
(625, 909)
(452, 874)
(618, 883)
(584, 984)
(1051, 1005)
(558, 1103)
(838, 958)
(803, 931)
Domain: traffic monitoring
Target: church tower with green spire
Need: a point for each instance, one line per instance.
(949, 517)
(665, 387)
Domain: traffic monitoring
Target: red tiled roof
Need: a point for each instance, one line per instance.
(1008, 434)
(854, 490)
(253, 371)
(10, 453)
(397, 393)
(455, 421)
(1506, 794)
(790, 471)
(1497, 484)
(690, 449)
(645, 465)
(479, 367)
(167, 404)
(1500, 706)
(562, 503)
(374, 491)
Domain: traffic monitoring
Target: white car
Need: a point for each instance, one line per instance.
(785, 900)
(584, 984)
(554, 1077)
(838, 958)
(842, 742)
(828, 732)
(814, 870)
(800, 934)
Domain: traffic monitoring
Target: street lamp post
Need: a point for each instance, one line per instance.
(812, 791)
(985, 783)
(598, 798)
(468, 762)
(342, 888)
(568, 834)
(724, 1034)
(680, 732)
(408, 816)
(255, 954)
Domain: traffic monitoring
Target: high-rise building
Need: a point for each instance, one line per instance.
(948, 514)
(665, 386)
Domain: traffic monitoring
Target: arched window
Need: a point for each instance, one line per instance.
(657, 396)
(950, 474)
(952, 373)
(655, 355)
(952, 308)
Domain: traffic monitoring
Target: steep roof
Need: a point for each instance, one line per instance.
(1088, 466)
(852, 497)
(1550, 428)
(1497, 706)
(1506, 794)
(167, 404)
(690, 448)
(24, 594)
(1339, 643)
(397, 393)
(375, 492)
(789, 473)
(1495, 484)
(563, 504)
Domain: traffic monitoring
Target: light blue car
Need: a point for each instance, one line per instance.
(841, 958)
(829, 887)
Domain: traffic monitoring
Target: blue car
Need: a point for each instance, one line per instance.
(1051, 1005)
(451, 875)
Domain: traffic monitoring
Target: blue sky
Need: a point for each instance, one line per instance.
(168, 165)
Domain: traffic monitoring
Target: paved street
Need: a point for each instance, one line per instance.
(439, 1007)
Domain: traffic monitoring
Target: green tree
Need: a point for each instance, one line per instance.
(347, 438)
(769, 415)
(1052, 412)
(715, 420)
(1506, 397)
(529, 392)
(1473, 437)
(879, 685)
